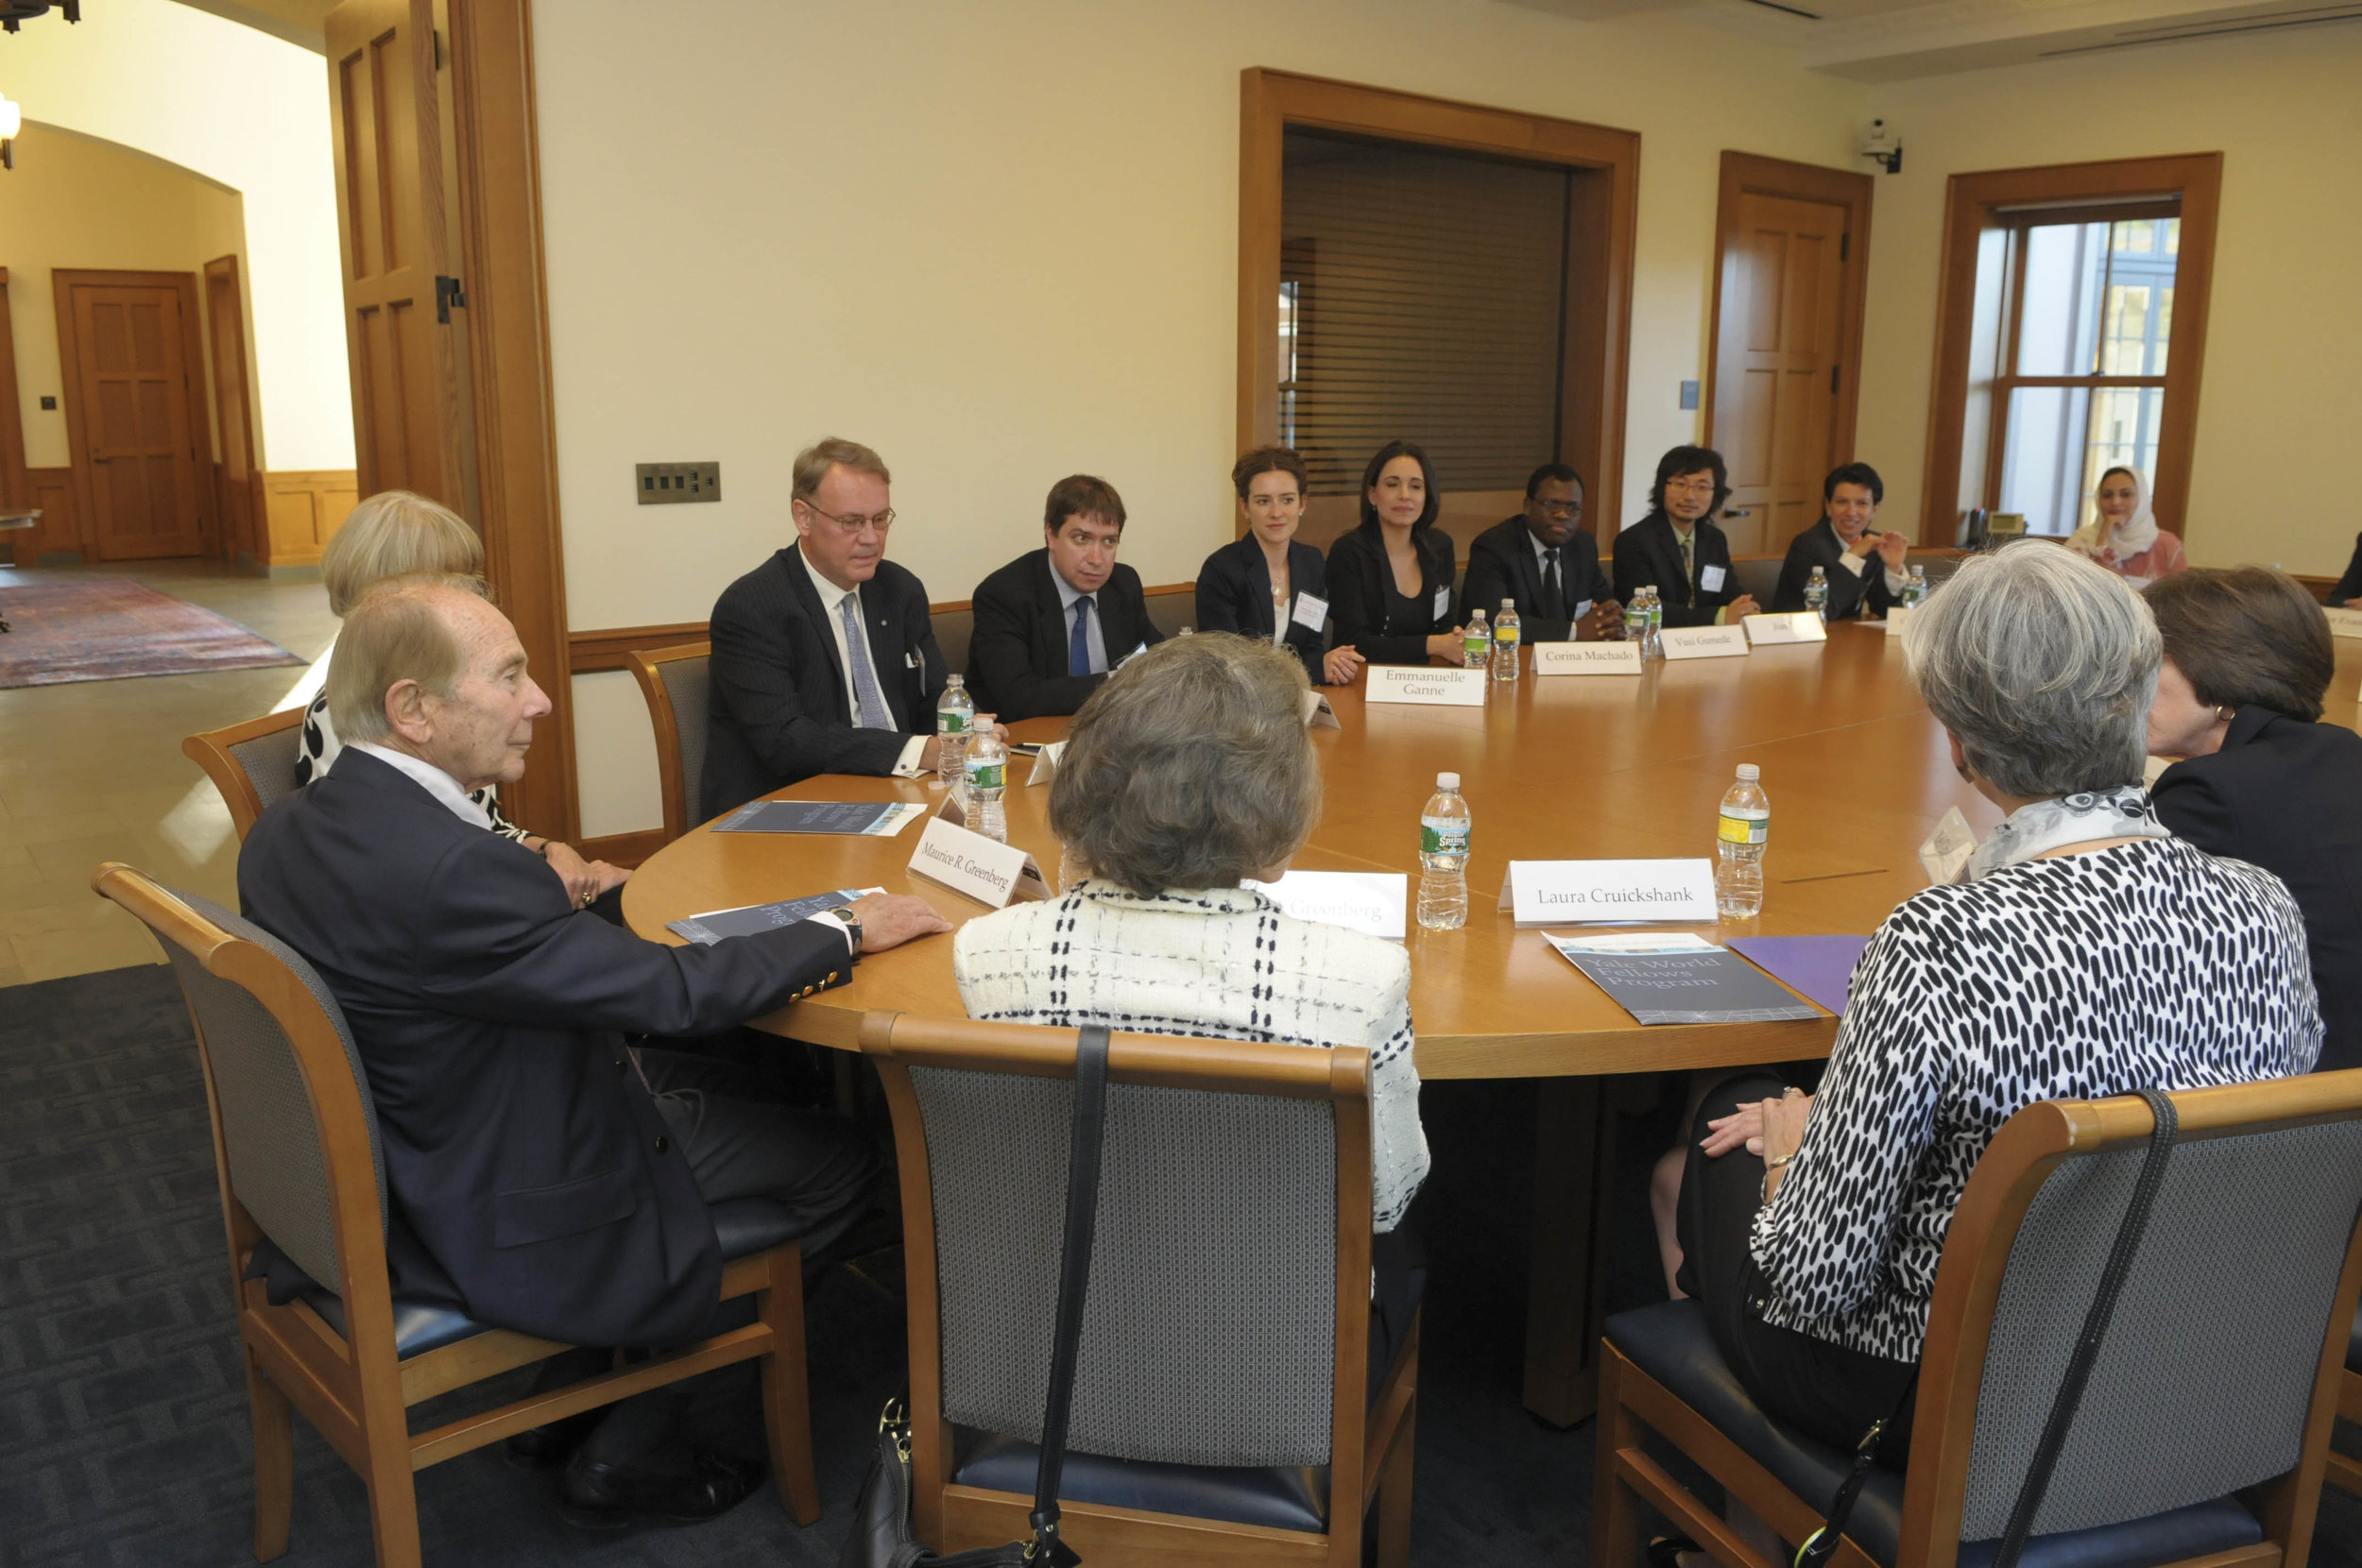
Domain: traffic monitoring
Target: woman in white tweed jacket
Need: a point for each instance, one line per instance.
(1187, 772)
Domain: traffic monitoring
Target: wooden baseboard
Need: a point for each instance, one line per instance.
(623, 849)
(61, 531)
(303, 509)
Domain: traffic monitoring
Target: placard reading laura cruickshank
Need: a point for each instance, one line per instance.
(1568, 893)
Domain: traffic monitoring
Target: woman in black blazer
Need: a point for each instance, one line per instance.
(1396, 545)
(1263, 584)
(2248, 656)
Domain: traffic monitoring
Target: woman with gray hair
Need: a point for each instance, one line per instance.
(1187, 773)
(2086, 952)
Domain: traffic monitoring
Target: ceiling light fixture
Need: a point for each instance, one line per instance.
(1883, 148)
(14, 11)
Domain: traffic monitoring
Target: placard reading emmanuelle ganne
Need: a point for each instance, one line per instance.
(1571, 893)
(1418, 683)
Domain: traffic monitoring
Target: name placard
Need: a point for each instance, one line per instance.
(1412, 683)
(985, 870)
(1046, 763)
(1586, 658)
(1944, 856)
(1318, 714)
(1372, 902)
(2344, 622)
(1899, 617)
(1792, 627)
(1706, 641)
(1573, 893)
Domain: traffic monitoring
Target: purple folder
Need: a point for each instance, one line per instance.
(1819, 966)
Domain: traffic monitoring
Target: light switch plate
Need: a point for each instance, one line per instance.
(1689, 394)
(671, 484)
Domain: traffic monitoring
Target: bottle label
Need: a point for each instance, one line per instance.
(951, 721)
(1443, 835)
(1505, 637)
(985, 775)
(1476, 643)
(1743, 829)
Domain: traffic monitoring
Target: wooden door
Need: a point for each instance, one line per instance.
(136, 420)
(407, 401)
(1776, 364)
(233, 411)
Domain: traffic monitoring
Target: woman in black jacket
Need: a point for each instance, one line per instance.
(1390, 580)
(2248, 656)
(1263, 584)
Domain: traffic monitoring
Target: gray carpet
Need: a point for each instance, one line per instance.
(123, 1419)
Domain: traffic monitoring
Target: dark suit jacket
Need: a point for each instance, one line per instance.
(521, 1150)
(1501, 565)
(1017, 656)
(2280, 794)
(780, 712)
(2349, 586)
(1360, 579)
(1234, 595)
(1647, 551)
(1819, 546)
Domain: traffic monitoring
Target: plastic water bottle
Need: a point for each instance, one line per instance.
(1637, 618)
(955, 716)
(1655, 646)
(1744, 824)
(1443, 857)
(1817, 593)
(1915, 587)
(988, 770)
(1508, 634)
(1476, 643)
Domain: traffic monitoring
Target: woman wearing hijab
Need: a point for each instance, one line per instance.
(2125, 538)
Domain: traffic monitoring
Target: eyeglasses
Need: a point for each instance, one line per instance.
(1696, 484)
(1560, 508)
(882, 521)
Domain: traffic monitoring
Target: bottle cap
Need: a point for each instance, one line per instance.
(1448, 781)
(1749, 773)
(1508, 606)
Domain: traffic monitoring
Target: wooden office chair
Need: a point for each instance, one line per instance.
(2345, 1470)
(296, 1145)
(1224, 1409)
(2220, 1373)
(954, 626)
(679, 690)
(252, 764)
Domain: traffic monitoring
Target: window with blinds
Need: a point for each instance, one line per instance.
(1422, 298)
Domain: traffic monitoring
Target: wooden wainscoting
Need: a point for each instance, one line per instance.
(301, 509)
(60, 530)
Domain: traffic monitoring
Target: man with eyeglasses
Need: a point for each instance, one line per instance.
(824, 659)
(1053, 622)
(1679, 550)
(1547, 563)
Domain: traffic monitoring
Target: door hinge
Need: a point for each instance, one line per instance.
(437, 33)
(1844, 248)
(1832, 378)
(447, 293)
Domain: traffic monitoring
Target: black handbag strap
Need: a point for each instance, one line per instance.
(1075, 1271)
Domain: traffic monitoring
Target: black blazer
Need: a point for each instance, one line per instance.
(2349, 586)
(1647, 551)
(1360, 580)
(1501, 566)
(523, 1152)
(779, 710)
(1819, 546)
(1234, 595)
(2280, 794)
(1017, 656)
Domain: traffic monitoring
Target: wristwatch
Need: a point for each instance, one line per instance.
(852, 925)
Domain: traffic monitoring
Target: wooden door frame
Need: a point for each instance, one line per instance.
(16, 485)
(1970, 201)
(1596, 357)
(1746, 174)
(62, 282)
(226, 268)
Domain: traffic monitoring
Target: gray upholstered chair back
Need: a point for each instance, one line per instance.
(689, 687)
(954, 629)
(269, 762)
(2204, 1378)
(1210, 1330)
(1170, 612)
(277, 1162)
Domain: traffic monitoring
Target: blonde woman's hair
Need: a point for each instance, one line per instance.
(398, 632)
(396, 533)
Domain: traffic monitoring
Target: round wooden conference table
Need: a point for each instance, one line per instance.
(1562, 767)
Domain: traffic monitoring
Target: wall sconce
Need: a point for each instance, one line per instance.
(1883, 148)
(11, 121)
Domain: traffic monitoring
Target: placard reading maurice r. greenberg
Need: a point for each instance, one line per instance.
(1374, 902)
(987, 871)
(1704, 641)
(1414, 682)
(1586, 658)
(1574, 893)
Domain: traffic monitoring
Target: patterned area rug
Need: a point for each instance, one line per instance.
(113, 630)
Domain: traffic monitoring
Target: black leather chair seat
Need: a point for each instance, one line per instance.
(1672, 1344)
(1280, 1497)
(744, 1226)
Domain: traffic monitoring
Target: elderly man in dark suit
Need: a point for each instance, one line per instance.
(1051, 623)
(544, 1177)
(1545, 563)
(824, 659)
(1678, 549)
(1841, 545)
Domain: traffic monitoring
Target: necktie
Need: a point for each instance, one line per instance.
(1689, 567)
(1078, 647)
(1553, 605)
(873, 714)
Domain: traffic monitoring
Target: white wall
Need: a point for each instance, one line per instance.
(246, 111)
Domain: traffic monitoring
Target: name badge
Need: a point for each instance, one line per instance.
(987, 871)
(1312, 611)
(1443, 602)
(1371, 902)
(1046, 763)
(1898, 617)
(1710, 578)
(2344, 622)
(1706, 641)
(1567, 893)
(1793, 626)
(1586, 658)
(1413, 683)
(1318, 714)
(1944, 856)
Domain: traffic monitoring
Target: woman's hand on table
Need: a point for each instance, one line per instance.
(890, 919)
(1342, 664)
(1769, 1128)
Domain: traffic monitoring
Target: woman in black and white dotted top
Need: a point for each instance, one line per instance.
(2086, 952)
